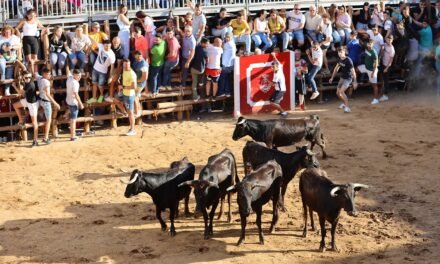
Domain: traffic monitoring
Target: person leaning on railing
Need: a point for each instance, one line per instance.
(10, 45)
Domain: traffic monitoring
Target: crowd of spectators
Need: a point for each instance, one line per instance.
(138, 61)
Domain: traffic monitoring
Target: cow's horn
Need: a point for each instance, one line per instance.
(358, 185)
(334, 190)
(241, 122)
(210, 184)
(310, 153)
(191, 183)
(230, 188)
(132, 180)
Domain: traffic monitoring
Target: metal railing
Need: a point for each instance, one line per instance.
(52, 11)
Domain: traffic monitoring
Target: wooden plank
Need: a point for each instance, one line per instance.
(164, 105)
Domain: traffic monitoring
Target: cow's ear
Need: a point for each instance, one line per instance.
(232, 189)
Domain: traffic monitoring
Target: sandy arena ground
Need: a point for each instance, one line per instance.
(64, 203)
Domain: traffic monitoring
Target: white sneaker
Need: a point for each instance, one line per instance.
(383, 98)
(54, 73)
(60, 72)
(341, 106)
(131, 133)
(375, 101)
(314, 95)
(109, 99)
(347, 109)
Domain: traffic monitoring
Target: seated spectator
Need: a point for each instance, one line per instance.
(228, 59)
(277, 28)
(312, 26)
(363, 18)
(57, 50)
(261, 31)
(241, 31)
(96, 36)
(343, 25)
(157, 61)
(140, 42)
(79, 46)
(172, 57)
(10, 45)
(296, 21)
(221, 25)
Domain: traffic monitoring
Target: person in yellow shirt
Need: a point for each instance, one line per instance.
(96, 37)
(241, 31)
(129, 83)
(277, 28)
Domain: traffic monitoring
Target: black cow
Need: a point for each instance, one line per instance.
(214, 179)
(163, 188)
(256, 189)
(321, 195)
(282, 132)
(255, 154)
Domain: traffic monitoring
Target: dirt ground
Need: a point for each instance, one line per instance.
(64, 203)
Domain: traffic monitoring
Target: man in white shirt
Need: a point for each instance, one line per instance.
(213, 67)
(377, 40)
(315, 56)
(312, 26)
(73, 100)
(387, 61)
(296, 21)
(106, 58)
(228, 58)
(279, 82)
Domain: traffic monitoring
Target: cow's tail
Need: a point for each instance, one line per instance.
(237, 179)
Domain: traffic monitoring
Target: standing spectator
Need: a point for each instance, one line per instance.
(277, 28)
(97, 37)
(228, 58)
(437, 15)
(348, 75)
(124, 29)
(387, 61)
(377, 17)
(296, 25)
(315, 56)
(57, 50)
(140, 42)
(100, 74)
(370, 67)
(279, 82)
(343, 25)
(198, 65)
(401, 44)
(261, 31)
(221, 24)
(377, 38)
(424, 12)
(78, 47)
(157, 60)
(46, 100)
(31, 45)
(119, 56)
(354, 48)
(140, 67)
(129, 82)
(301, 71)
(425, 44)
(213, 67)
(188, 48)
(388, 25)
(363, 18)
(149, 28)
(198, 22)
(312, 26)
(30, 102)
(172, 57)
(9, 46)
(326, 28)
(73, 100)
(437, 65)
(241, 31)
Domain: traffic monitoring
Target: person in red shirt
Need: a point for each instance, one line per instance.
(140, 43)
(172, 59)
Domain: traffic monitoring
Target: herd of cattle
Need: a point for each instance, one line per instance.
(267, 174)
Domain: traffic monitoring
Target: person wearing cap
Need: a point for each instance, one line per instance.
(9, 45)
(100, 74)
(363, 18)
(96, 36)
(221, 25)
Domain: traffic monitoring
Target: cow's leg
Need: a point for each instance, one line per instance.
(205, 219)
(305, 218)
(159, 217)
(320, 141)
(323, 233)
(243, 229)
(274, 214)
(312, 223)
(172, 215)
(211, 217)
(281, 201)
(221, 207)
(177, 211)
(229, 208)
(258, 211)
(334, 225)
(187, 214)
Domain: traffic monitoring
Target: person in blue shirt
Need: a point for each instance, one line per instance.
(354, 48)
